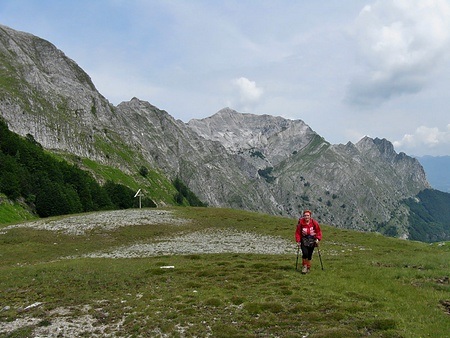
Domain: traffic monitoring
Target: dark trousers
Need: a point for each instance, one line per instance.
(307, 251)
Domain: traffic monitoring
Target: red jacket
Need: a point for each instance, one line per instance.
(312, 229)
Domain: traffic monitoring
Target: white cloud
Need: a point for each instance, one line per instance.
(428, 140)
(401, 43)
(249, 94)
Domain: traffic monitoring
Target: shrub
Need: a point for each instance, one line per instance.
(143, 171)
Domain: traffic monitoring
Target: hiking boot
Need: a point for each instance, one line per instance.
(308, 266)
(305, 269)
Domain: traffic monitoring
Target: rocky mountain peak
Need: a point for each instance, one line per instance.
(40, 62)
(380, 147)
(384, 146)
(256, 162)
(273, 137)
(56, 100)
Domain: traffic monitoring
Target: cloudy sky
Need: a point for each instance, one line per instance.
(348, 68)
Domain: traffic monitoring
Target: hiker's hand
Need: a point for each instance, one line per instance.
(317, 242)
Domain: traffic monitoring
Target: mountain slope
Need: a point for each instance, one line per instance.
(215, 175)
(260, 163)
(63, 111)
(358, 186)
(430, 216)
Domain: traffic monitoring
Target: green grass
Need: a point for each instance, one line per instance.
(12, 212)
(371, 285)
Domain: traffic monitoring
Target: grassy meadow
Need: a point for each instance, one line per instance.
(370, 286)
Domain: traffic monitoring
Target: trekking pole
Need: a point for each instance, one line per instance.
(296, 262)
(320, 257)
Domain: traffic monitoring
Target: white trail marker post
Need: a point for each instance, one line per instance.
(139, 194)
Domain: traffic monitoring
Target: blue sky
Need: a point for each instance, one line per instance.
(347, 68)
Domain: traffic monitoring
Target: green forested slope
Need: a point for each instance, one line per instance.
(48, 186)
(430, 216)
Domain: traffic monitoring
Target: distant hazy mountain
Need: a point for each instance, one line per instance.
(437, 170)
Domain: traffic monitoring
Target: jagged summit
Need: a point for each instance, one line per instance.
(273, 135)
(380, 147)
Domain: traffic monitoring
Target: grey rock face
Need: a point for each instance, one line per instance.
(354, 186)
(255, 162)
(274, 137)
(217, 176)
(49, 96)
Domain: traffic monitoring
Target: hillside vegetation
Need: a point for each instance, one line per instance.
(51, 187)
(36, 182)
(429, 216)
(197, 272)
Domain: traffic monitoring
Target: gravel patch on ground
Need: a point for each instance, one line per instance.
(107, 221)
(65, 323)
(207, 241)
(199, 242)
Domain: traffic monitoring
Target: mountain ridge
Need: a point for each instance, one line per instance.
(320, 163)
(261, 163)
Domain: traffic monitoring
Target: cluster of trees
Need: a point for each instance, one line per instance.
(267, 174)
(430, 218)
(52, 187)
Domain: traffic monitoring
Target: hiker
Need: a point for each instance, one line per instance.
(307, 235)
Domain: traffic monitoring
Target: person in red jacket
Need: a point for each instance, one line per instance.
(307, 235)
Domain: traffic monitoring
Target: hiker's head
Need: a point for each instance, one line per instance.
(307, 213)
